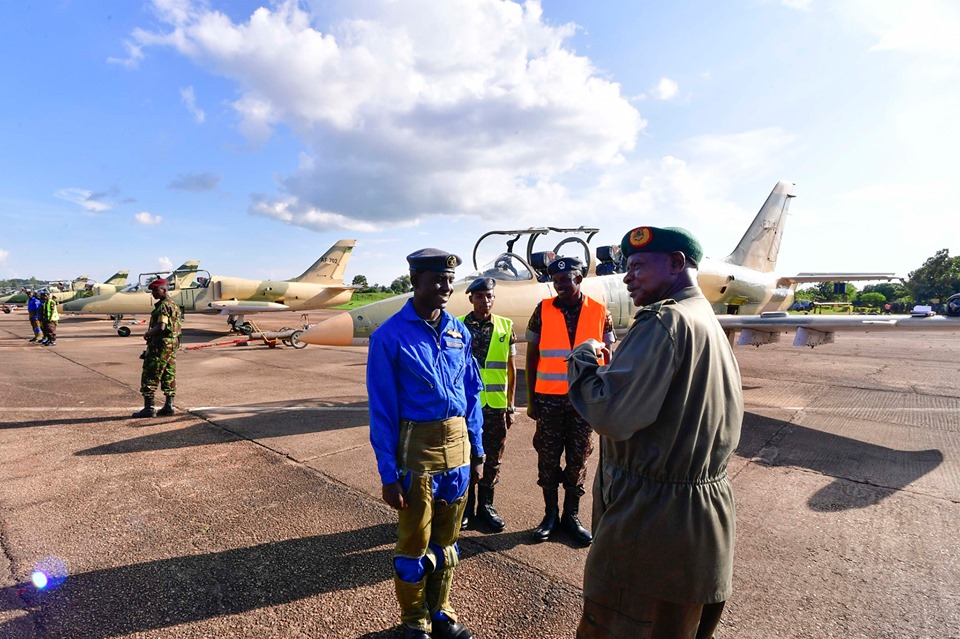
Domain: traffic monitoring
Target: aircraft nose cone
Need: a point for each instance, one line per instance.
(336, 331)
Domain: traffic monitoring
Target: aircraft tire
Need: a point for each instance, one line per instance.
(953, 306)
(295, 340)
(245, 328)
(6, 309)
(123, 331)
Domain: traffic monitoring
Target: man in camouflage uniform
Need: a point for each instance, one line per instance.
(556, 326)
(160, 358)
(495, 349)
(48, 318)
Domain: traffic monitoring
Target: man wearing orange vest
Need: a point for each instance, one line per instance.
(495, 349)
(556, 326)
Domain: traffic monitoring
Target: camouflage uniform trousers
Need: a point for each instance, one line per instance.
(494, 442)
(159, 369)
(560, 430)
(49, 330)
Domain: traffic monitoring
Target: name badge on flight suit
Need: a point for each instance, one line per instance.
(453, 339)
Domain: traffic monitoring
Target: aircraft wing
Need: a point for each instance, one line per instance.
(236, 307)
(814, 330)
(809, 278)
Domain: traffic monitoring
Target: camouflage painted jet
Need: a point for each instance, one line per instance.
(320, 286)
(746, 294)
(66, 290)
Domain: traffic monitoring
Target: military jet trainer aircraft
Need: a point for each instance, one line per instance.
(744, 290)
(66, 290)
(319, 286)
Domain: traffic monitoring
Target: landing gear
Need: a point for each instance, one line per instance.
(123, 331)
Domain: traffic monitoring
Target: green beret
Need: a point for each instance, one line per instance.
(651, 239)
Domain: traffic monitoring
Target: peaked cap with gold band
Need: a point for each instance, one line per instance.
(431, 259)
(652, 239)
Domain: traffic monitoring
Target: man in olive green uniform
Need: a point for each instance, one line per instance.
(495, 349)
(160, 358)
(668, 408)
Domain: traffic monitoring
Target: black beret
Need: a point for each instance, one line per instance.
(481, 284)
(651, 239)
(565, 265)
(431, 259)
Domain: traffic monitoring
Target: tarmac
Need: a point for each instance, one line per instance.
(255, 512)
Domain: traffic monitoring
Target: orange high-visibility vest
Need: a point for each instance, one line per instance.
(555, 342)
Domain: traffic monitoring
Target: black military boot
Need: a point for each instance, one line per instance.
(148, 409)
(571, 518)
(445, 628)
(486, 513)
(470, 511)
(550, 517)
(167, 409)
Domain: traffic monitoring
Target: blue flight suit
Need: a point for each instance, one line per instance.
(420, 379)
(33, 312)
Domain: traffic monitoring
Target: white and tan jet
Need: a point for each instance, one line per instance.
(196, 291)
(745, 292)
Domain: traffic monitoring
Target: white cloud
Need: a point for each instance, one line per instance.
(190, 101)
(802, 5)
(418, 108)
(145, 218)
(165, 263)
(4, 255)
(134, 56)
(666, 89)
(91, 201)
(922, 26)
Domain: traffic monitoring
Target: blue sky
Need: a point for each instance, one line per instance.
(253, 135)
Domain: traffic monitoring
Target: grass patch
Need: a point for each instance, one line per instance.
(361, 299)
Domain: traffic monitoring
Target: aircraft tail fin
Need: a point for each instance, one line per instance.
(118, 279)
(186, 273)
(760, 245)
(330, 267)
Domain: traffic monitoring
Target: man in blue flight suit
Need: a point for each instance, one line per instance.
(426, 430)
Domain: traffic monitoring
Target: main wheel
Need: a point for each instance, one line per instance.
(123, 331)
(245, 328)
(953, 305)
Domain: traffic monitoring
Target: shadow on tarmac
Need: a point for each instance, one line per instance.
(864, 473)
(63, 422)
(165, 593)
(259, 425)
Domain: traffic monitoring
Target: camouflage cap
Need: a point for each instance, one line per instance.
(481, 284)
(565, 265)
(431, 259)
(652, 239)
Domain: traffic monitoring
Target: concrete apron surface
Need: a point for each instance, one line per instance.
(256, 512)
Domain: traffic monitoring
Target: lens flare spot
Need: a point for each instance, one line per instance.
(49, 573)
(39, 580)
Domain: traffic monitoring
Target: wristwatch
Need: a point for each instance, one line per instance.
(511, 409)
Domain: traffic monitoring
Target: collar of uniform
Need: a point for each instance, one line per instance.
(473, 318)
(679, 296)
(410, 314)
(556, 302)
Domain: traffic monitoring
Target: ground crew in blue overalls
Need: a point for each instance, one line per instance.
(426, 431)
(495, 349)
(33, 312)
